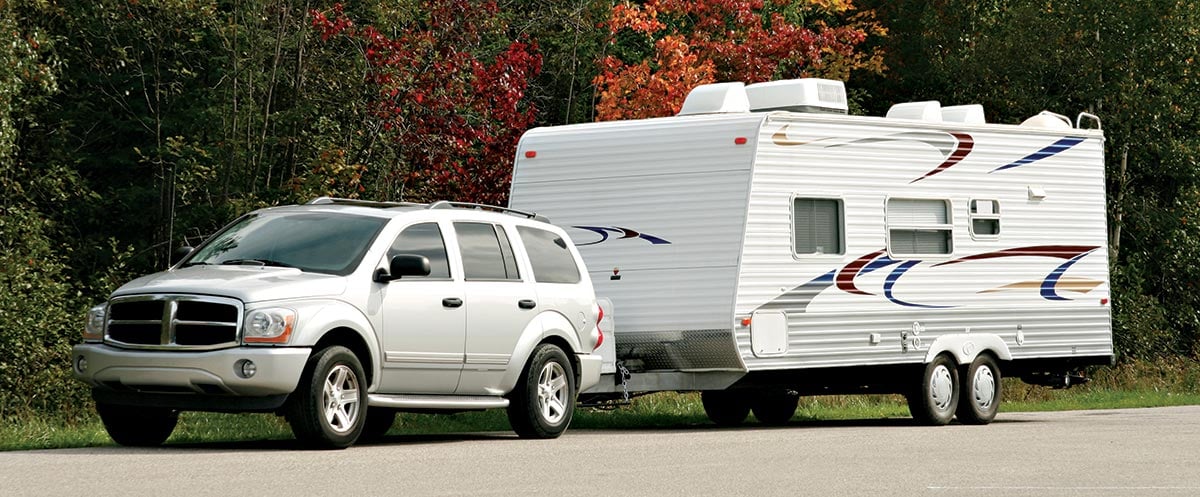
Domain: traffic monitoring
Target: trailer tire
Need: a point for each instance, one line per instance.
(935, 399)
(725, 408)
(137, 426)
(775, 407)
(543, 402)
(980, 398)
(322, 416)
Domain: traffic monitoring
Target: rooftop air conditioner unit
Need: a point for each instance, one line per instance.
(799, 95)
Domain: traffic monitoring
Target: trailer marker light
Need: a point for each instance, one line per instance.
(745, 321)
(741, 140)
(529, 154)
(1103, 301)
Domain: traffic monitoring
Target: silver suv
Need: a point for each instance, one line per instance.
(340, 313)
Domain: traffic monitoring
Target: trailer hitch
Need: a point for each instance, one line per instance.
(1057, 381)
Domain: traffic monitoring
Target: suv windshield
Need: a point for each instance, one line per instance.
(321, 242)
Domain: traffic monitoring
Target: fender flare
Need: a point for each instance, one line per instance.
(545, 325)
(333, 314)
(965, 347)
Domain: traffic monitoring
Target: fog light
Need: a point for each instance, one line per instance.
(246, 368)
(81, 364)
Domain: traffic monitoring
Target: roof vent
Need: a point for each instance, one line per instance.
(930, 111)
(716, 98)
(1047, 119)
(966, 114)
(824, 96)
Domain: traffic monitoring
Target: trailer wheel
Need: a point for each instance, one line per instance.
(725, 408)
(775, 407)
(935, 399)
(543, 402)
(980, 398)
(327, 409)
(137, 426)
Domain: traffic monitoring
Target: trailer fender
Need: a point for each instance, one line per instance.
(966, 346)
(545, 325)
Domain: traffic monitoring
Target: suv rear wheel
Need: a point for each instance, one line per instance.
(542, 404)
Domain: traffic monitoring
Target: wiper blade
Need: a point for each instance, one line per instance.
(260, 262)
(190, 264)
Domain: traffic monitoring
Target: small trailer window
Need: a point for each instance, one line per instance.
(985, 219)
(919, 226)
(817, 226)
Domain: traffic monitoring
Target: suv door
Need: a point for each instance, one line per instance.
(424, 322)
(557, 275)
(499, 305)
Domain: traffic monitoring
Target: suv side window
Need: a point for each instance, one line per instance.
(552, 261)
(423, 239)
(486, 252)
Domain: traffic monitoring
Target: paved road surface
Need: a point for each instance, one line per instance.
(1152, 452)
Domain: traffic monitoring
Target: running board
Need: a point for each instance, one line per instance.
(457, 402)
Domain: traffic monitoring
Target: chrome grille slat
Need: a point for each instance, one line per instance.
(211, 322)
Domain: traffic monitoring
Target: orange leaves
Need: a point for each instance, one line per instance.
(701, 41)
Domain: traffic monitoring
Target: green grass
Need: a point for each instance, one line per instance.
(1126, 386)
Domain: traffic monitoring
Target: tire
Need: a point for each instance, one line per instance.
(725, 408)
(543, 402)
(328, 408)
(935, 399)
(379, 421)
(138, 426)
(775, 407)
(980, 398)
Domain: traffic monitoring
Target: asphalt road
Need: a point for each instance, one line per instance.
(1153, 452)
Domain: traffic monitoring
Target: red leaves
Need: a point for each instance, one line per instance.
(456, 118)
(701, 41)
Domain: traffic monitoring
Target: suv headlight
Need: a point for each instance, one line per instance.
(270, 325)
(93, 329)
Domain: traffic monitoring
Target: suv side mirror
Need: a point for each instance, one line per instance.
(180, 253)
(404, 265)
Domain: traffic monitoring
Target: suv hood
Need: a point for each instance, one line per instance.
(246, 283)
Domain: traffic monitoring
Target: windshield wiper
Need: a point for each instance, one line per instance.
(260, 262)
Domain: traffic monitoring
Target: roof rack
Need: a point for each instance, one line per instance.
(360, 203)
(444, 204)
(441, 204)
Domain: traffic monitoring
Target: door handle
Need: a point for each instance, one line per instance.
(526, 304)
(451, 302)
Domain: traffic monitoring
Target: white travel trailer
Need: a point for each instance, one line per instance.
(763, 245)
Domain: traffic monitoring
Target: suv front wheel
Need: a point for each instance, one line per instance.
(328, 408)
(543, 402)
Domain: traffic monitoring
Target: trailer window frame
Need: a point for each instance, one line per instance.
(892, 225)
(840, 205)
(975, 218)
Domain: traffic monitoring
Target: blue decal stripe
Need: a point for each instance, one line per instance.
(1054, 148)
(891, 282)
(1051, 281)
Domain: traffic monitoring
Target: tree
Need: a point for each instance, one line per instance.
(455, 117)
(663, 48)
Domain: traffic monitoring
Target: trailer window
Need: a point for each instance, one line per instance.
(817, 226)
(919, 226)
(985, 219)
(552, 260)
(486, 253)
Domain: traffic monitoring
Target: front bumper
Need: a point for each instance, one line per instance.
(216, 372)
(589, 370)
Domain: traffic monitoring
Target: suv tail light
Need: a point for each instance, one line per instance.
(599, 331)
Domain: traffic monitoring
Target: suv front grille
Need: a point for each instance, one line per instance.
(191, 322)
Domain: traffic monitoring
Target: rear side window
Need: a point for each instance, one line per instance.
(486, 252)
(552, 260)
(423, 239)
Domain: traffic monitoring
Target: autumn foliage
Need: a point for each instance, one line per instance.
(693, 42)
(456, 118)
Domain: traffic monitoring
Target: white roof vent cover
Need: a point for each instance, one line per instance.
(799, 95)
(966, 114)
(715, 99)
(929, 111)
